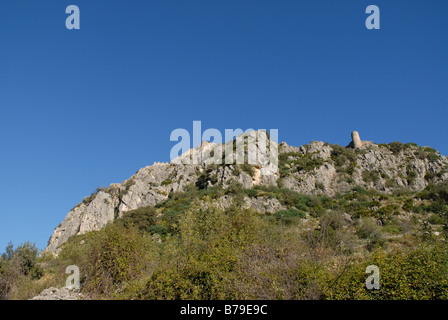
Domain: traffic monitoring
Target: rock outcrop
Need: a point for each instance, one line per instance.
(59, 294)
(316, 168)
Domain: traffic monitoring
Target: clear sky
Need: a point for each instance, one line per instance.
(85, 108)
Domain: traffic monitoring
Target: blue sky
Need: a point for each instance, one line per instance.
(85, 108)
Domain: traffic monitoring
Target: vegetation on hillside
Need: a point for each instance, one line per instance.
(190, 247)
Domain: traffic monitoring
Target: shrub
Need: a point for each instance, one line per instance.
(319, 186)
(236, 171)
(89, 199)
(435, 219)
(235, 188)
(252, 193)
(340, 161)
(370, 176)
(343, 153)
(166, 182)
(418, 274)
(142, 218)
(331, 236)
(17, 267)
(411, 177)
(287, 215)
(396, 147)
(128, 184)
(411, 144)
(249, 169)
(435, 193)
(427, 153)
(291, 198)
(201, 183)
(408, 205)
(114, 256)
(307, 163)
(367, 229)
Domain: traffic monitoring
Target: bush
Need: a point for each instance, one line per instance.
(128, 184)
(252, 193)
(166, 182)
(205, 254)
(307, 163)
(427, 153)
(344, 153)
(411, 144)
(408, 205)
(114, 256)
(370, 176)
(235, 188)
(288, 215)
(17, 267)
(435, 219)
(411, 177)
(368, 229)
(142, 219)
(418, 274)
(340, 161)
(435, 193)
(249, 169)
(319, 186)
(202, 181)
(292, 199)
(396, 147)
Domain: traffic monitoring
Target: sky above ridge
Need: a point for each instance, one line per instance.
(85, 108)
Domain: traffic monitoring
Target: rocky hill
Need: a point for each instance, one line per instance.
(317, 168)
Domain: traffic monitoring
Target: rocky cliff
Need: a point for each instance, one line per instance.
(316, 168)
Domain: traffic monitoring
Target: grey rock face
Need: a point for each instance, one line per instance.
(152, 184)
(60, 294)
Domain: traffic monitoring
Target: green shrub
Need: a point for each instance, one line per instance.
(287, 215)
(411, 177)
(370, 176)
(249, 169)
(114, 256)
(435, 219)
(367, 229)
(341, 161)
(252, 193)
(408, 205)
(339, 154)
(128, 184)
(319, 186)
(411, 144)
(166, 182)
(18, 267)
(300, 161)
(235, 188)
(308, 164)
(396, 147)
(435, 192)
(142, 218)
(202, 181)
(427, 153)
(418, 274)
(291, 199)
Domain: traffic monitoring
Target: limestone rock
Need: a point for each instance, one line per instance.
(60, 294)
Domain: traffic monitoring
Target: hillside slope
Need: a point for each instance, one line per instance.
(315, 169)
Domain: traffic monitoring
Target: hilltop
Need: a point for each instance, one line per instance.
(315, 169)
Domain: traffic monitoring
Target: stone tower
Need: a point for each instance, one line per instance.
(356, 140)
